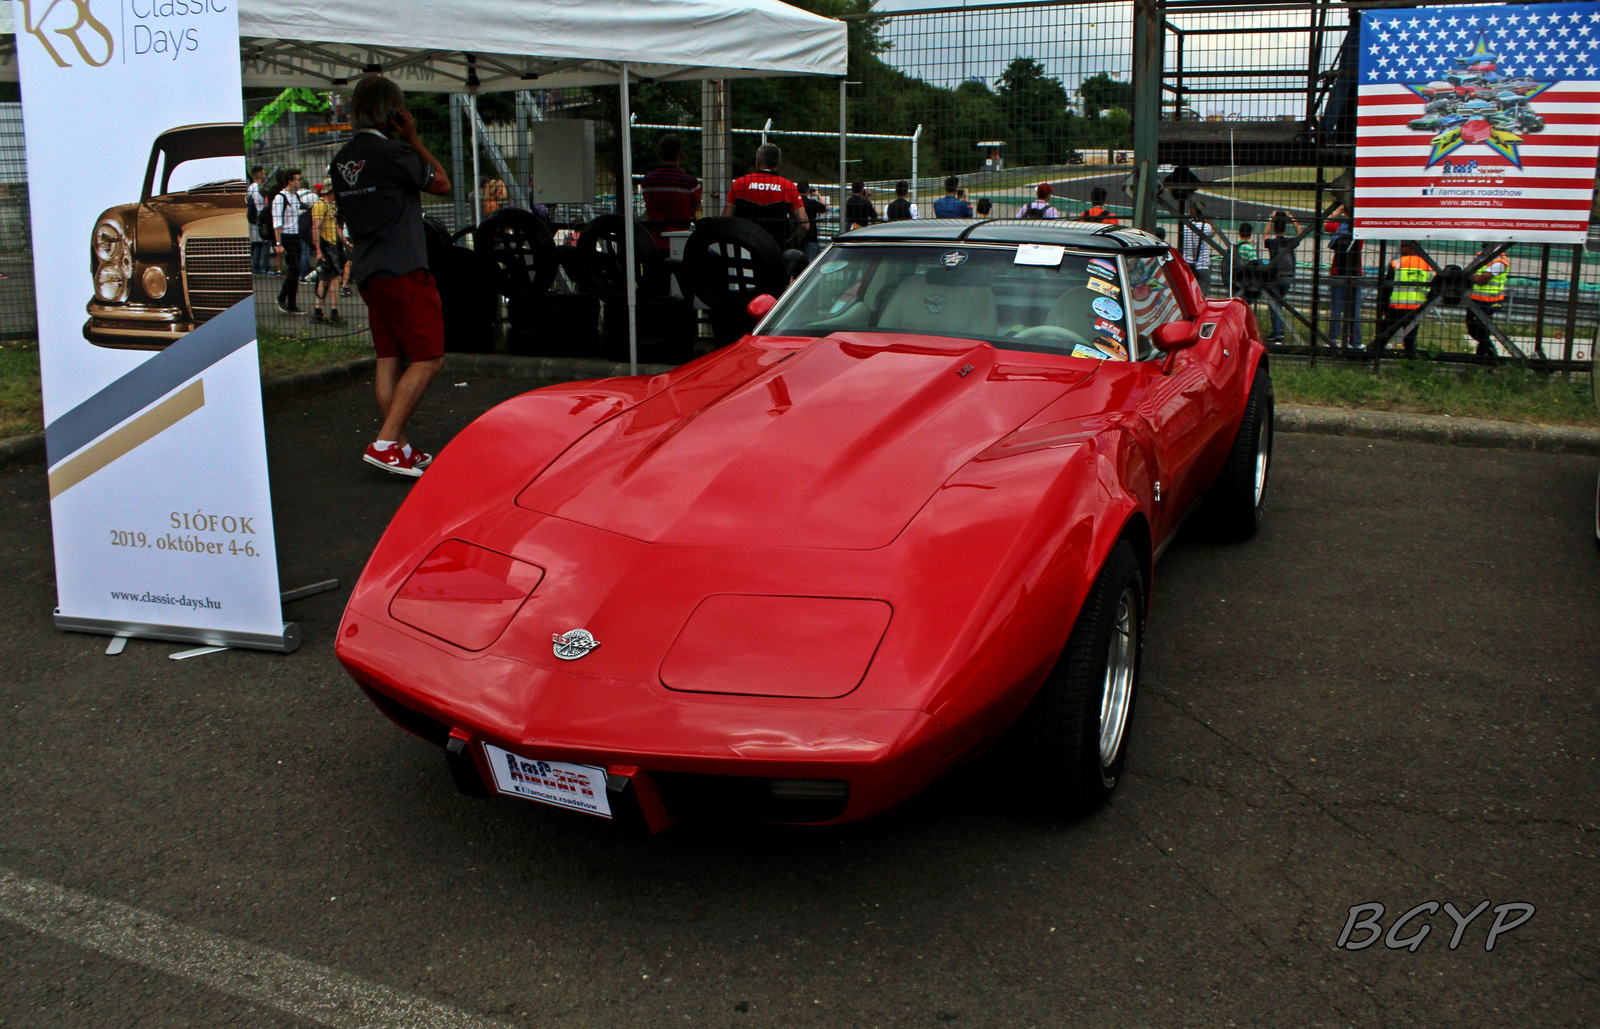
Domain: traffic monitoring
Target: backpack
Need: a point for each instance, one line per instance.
(305, 219)
(1032, 211)
(266, 225)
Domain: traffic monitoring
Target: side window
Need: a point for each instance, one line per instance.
(1152, 299)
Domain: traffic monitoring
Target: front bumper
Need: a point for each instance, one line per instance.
(695, 756)
(135, 326)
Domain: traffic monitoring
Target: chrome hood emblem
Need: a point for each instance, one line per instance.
(573, 644)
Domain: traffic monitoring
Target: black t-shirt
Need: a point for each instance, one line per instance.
(858, 209)
(1280, 255)
(815, 209)
(378, 184)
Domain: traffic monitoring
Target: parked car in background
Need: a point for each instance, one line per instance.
(181, 254)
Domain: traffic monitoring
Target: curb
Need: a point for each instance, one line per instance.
(549, 369)
(21, 450)
(287, 387)
(1438, 428)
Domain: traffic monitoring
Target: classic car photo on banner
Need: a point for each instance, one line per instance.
(160, 506)
(1478, 122)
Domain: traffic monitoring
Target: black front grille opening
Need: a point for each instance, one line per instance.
(744, 798)
(414, 722)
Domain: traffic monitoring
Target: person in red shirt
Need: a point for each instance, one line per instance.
(671, 195)
(769, 199)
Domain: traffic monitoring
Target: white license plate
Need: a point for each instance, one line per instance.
(579, 787)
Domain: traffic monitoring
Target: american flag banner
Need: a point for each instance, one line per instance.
(1479, 123)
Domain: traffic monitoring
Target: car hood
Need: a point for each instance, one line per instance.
(836, 447)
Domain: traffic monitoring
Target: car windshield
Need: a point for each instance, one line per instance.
(1039, 298)
(194, 157)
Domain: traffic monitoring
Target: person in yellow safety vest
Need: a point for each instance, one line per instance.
(1488, 292)
(1411, 275)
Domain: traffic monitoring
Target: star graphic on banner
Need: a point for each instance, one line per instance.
(1474, 92)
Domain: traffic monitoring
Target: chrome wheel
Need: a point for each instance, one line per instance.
(1263, 451)
(1116, 696)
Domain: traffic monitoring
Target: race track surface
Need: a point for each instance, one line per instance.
(1388, 695)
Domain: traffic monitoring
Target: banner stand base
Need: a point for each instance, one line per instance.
(286, 642)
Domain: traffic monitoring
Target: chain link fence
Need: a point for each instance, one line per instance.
(1257, 122)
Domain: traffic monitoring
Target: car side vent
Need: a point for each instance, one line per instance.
(744, 798)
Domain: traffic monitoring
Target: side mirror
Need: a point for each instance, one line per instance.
(758, 306)
(1173, 337)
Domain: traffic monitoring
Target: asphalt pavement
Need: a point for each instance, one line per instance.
(1387, 696)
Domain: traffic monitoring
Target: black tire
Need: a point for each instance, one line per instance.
(520, 250)
(1059, 737)
(1237, 500)
(731, 261)
(600, 256)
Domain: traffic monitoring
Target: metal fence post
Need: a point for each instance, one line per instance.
(1147, 40)
(714, 122)
(1316, 265)
(458, 196)
(1544, 292)
(524, 103)
(1572, 308)
(844, 186)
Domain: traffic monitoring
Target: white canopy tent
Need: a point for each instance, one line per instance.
(475, 45)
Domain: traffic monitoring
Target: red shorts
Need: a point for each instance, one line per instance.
(405, 315)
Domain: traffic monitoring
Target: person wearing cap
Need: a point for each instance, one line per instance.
(1040, 206)
(1097, 210)
(329, 254)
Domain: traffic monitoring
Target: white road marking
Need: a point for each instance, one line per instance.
(231, 966)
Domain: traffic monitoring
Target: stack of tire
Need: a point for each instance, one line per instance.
(728, 262)
(468, 301)
(522, 260)
(665, 324)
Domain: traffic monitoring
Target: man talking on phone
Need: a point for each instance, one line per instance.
(378, 181)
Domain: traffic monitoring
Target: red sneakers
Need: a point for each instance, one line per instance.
(396, 460)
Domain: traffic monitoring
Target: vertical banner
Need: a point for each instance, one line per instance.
(1478, 122)
(159, 501)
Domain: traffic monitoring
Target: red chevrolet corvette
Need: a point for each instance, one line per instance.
(800, 578)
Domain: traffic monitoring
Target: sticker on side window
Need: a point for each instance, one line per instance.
(1108, 288)
(1105, 307)
(1102, 269)
(1111, 329)
(953, 258)
(1116, 351)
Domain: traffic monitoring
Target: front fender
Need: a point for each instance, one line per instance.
(1021, 536)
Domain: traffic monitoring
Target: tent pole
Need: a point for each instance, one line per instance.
(477, 200)
(625, 202)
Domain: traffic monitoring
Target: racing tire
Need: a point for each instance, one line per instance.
(1237, 499)
(731, 261)
(519, 249)
(603, 266)
(1073, 737)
